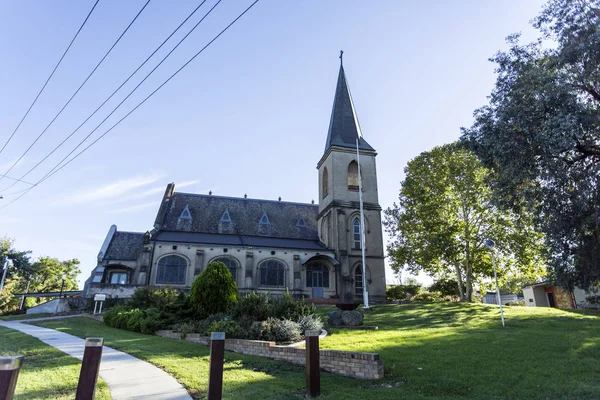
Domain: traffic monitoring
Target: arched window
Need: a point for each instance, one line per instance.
(353, 176)
(356, 233)
(358, 282)
(272, 273)
(171, 270)
(317, 275)
(229, 263)
(325, 182)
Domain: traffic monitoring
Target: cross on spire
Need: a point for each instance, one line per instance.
(341, 57)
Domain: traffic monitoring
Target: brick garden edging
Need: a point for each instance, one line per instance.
(352, 364)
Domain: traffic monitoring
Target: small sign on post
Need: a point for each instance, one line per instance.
(99, 298)
(215, 374)
(9, 372)
(89, 369)
(313, 368)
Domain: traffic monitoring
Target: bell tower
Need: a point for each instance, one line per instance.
(339, 208)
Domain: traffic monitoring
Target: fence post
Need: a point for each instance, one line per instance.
(313, 369)
(9, 372)
(90, 366)
(215, 374)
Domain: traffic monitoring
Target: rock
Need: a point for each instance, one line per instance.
(352, 318)
(335, 318)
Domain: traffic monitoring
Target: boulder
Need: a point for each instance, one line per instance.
(352, 318)
(335, 318)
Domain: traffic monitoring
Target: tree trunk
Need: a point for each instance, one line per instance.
(460, 283)
(469, 282)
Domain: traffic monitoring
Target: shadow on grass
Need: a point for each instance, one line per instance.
(431, 351)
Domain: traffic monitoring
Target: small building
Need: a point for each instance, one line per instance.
(492, 298)
(545, 294)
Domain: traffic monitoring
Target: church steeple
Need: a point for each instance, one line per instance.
(344, 128)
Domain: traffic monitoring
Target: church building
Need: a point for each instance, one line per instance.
(310, 250)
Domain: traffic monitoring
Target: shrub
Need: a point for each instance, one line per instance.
(401, 292)
(136, 320)
(593, 300)
(517, 303)
(214, 290)
(427, 296)
(280, 331)
(253, 305)
(111, 315)
(310, 323)
(133, 320)
(231, 329)
(447, 287)
(155, 297)
(286, 307)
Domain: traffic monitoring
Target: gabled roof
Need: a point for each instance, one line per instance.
(125, 246)
(344, 128)
(246, 216)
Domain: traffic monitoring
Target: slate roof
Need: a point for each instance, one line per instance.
(125, 246)
(206, 212)
(343, 126)
(237, 240)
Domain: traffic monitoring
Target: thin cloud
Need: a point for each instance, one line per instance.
(134, 208)
(108, 191)
(153, 191)
(4, 167)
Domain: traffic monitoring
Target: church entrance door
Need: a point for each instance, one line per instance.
(317, 283)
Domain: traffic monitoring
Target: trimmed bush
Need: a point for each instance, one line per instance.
(214, 290)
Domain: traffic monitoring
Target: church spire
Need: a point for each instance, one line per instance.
(344, 128)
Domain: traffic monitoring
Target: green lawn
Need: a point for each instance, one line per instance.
(46, 373)
(431, 351)
(24, 316)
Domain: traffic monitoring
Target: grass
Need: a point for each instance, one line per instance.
(46, 373)
(24, 316)
(431, 351)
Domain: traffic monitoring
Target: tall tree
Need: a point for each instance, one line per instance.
(540, 133)
(445, 213)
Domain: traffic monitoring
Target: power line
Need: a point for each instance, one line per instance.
(56, 168)
(50, 77)
(78, 89)
(120, 86)
(128, 95)
(17, 180)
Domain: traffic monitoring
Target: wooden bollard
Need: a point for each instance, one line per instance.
(313, 369)
(89, 369)
(9, 373)
(215, 374)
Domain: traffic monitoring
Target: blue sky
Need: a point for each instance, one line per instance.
(249, 115)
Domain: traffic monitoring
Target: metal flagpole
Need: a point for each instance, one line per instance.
(6, 264)
(362, 234)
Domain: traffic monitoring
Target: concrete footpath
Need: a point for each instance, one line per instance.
(127, 377)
